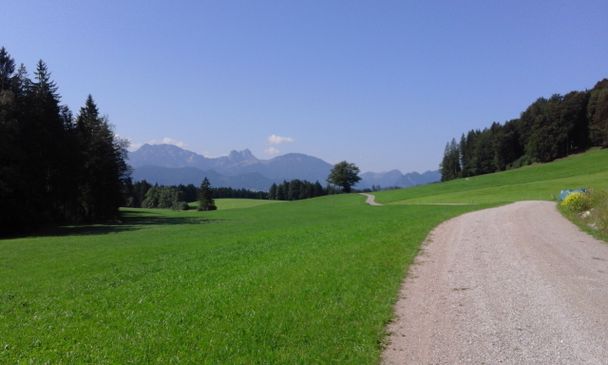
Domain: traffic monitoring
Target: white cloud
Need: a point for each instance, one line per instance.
(169, 140)
(134, 146)
(274, 139)
(272, 151)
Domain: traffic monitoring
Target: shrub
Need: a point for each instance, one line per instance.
(599, 215)
(181, 206)
(207, 207)
(577, 202)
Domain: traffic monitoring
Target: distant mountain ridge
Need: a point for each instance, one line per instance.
(168, 164)
(395, 178)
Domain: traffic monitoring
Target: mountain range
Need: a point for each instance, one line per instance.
(168, 164)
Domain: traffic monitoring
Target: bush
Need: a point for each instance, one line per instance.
(207, 207)
(577, 202)
(180, 206)
(520, 162)
(599, 201)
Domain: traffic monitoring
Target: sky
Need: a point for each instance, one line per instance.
(384, 84)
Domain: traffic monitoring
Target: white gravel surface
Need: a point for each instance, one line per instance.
(371, 200)
(518, 284)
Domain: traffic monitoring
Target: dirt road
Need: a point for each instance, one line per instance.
(518, 284)
(371, 200)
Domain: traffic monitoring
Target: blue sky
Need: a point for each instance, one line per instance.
(381, 83)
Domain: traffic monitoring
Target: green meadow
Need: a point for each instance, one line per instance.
(234, 203)
(534, 182)
(311, 281)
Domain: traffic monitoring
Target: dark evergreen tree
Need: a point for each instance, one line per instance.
(42, 154)
(43, 128)
(189, 193)
(103, 168)
(7, 70)
(306, 190)
(272, 193)
(573, 123)
(293, 190)
(282, 191)
(506, 145)
(11, 189)
(238, 193)
(450, 165)
(597, 114)
(205, 197)
(484, 160)
(318, 189)
(297, 189)
(467, 153)
(135, 193)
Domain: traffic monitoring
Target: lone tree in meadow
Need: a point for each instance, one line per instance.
(344, 174)
(205, 196)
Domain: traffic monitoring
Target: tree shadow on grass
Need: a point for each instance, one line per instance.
(129, 221)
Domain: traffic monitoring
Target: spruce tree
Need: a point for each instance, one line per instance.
(272, 193)
(103, 167)
(318, 189)
(45, 150)
(205, 196)
(10, 146)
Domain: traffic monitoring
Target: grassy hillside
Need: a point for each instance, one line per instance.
(301, 282)
(535, 182)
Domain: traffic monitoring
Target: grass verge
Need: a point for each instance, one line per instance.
(591, 217)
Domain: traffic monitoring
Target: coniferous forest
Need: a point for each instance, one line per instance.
(298, 189)
(142, 194)
(54, 167)
(548, 129)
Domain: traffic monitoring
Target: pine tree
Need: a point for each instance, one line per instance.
(103, 169)
(282, 191)
(7, 70)
(318, 189)
(205, 197)
(450, 165)
(45, 149)
(45, 159)
(272, 193)
(10, 147)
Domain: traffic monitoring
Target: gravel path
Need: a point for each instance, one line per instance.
(518, 284)
(371, 199)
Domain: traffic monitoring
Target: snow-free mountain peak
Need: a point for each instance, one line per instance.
(168, 164)
(239, 156)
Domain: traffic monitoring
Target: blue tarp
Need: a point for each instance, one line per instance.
(564, 193)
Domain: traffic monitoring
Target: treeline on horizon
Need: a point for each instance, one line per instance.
(298, 189)
(54, 167)
(142, 194)
(548, 129)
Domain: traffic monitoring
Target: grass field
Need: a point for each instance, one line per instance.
(233, 203)
(310, 281)
(535, 182)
